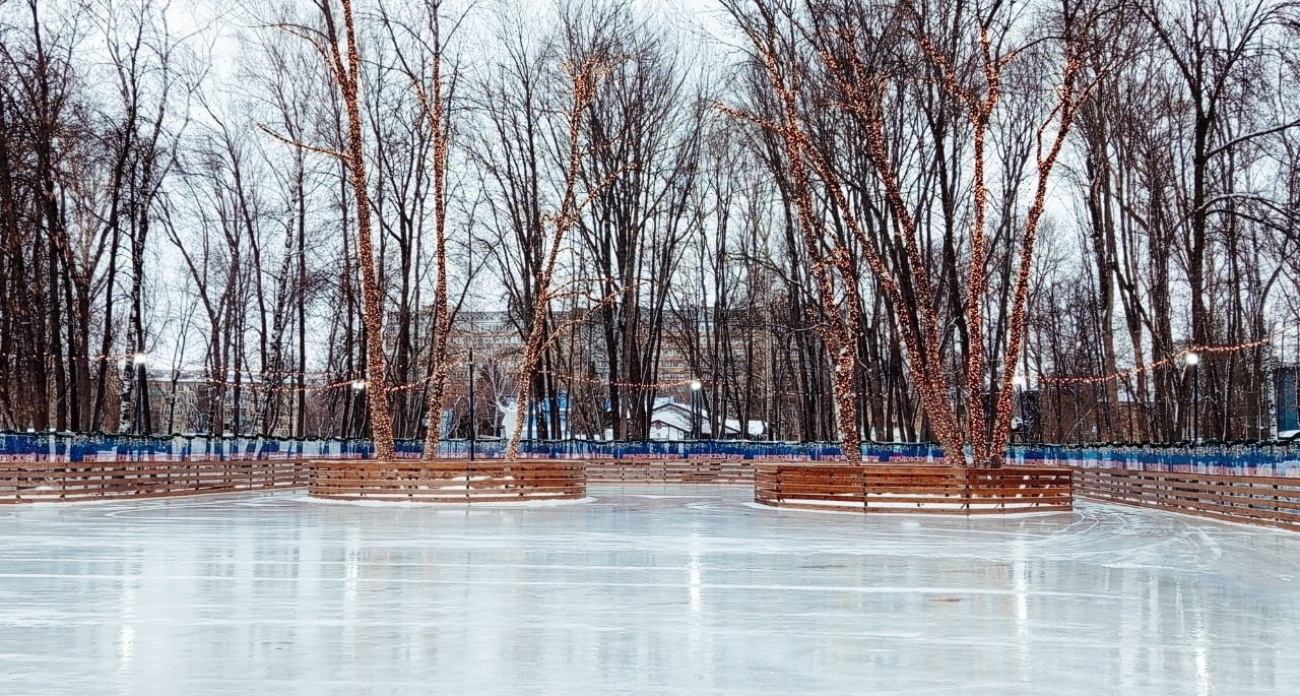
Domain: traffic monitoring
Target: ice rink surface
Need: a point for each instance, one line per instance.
(644, 590)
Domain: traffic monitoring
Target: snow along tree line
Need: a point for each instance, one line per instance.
(846, 219)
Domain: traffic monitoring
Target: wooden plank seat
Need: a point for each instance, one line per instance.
(449, 480)
(912, 488)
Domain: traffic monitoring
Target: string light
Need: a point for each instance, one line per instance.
(1176, 357)
(599, 381)
(421, 383)
(260, 374)
(47, 355)
(273, 388)
(459, 360)
(250, 378)
(256, 380)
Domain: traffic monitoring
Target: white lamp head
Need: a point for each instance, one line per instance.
(1192, 358)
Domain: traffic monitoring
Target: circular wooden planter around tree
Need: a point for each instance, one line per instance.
(457, 481)
(908, 489)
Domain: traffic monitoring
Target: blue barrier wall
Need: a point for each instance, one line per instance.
(1246, 459)
(81, 447)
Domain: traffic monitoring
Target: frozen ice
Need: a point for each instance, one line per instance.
(640, 590)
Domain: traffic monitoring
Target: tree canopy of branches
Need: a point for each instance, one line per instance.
(974, 222)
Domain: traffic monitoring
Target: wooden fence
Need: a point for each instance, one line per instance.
(871, 488)
(454, 480)
(32, 482)
(449, 480)
(884, 488)
(1261, 500)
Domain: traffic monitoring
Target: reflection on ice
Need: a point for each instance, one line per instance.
(641, 590)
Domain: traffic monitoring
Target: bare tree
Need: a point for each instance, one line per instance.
(338, 26)
(435, 93)
(862, 56)
(584, 74)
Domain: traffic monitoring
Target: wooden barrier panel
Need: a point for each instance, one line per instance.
(449, 480)
(29, 482)
(670, 471)
(883, 488)
(1271, 501)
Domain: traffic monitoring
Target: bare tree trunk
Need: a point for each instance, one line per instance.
(585, 76)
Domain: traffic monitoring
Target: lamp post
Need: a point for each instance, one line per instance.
(358, 394)
(139, 361)
(1019, 430)
(695, 409)
(473, 424)
(1193, 359)
(532, 416)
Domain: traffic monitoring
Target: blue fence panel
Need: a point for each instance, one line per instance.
(1262, 459)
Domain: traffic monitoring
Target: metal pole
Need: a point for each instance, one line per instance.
(1192, 359)
(141, 392)
(1196, 403)
(697, 400)
(691, 434)
(473, 424)
(1018, 433)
